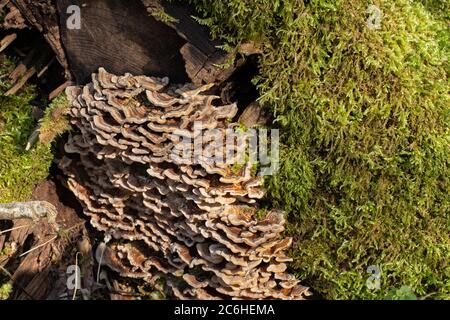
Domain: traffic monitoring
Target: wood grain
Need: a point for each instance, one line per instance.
(122, 37)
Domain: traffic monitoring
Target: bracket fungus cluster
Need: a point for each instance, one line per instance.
(188, 221)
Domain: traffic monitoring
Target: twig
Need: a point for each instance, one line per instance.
(100, 262)
(76, 277)
(37, 247)
(47, 66)
(6, 272)
(15, 228)
(427, 296)
(58, 90)
(6, 41)
(22, 82)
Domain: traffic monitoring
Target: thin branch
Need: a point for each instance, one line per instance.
(37, 247)
(15, 228)
(6, 41)
(100, 261)
(76, 277)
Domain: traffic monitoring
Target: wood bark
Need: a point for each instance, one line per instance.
(124, 36)
(42, 15)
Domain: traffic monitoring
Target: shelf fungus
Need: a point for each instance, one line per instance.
(175, 210)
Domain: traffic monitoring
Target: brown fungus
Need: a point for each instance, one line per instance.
(189, 220)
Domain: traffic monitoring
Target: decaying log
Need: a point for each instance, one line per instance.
(128, 36)
(121, 36)
(42, 15)
(23, 80)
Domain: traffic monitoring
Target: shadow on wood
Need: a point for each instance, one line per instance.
(122, 37)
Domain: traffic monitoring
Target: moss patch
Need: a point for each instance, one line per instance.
(20, 170)
(364, 117)
(55, 121)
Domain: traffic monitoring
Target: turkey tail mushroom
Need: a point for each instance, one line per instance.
(188, 220)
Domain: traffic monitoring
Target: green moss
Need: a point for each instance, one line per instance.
(402, 293)
(364, 117)
(5, 291)
(20, 170)
(157, 11)
(162, 16)
(55, 121)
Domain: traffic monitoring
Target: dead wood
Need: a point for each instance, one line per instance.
(35, 275)
(42, 15)
(128, 36)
